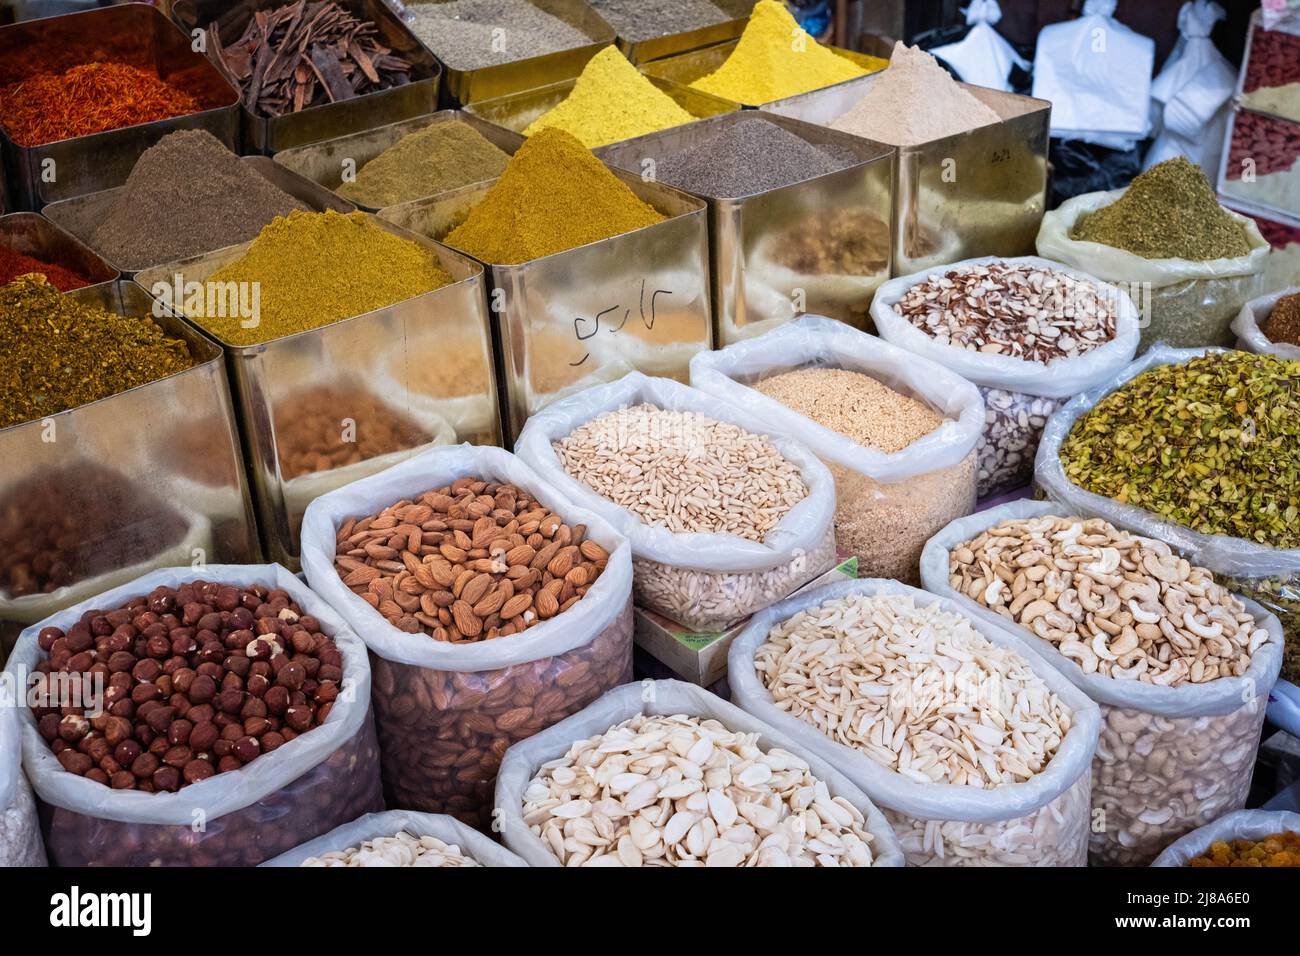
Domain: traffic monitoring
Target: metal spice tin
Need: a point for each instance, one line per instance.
(461, 87)
(978, 193)
(43, 174)
(518, 111)
(671, 44)
(323, 162)
(270, 134)
(782, 252)
(685, 68)
(418, 371)
(82, 215)
(150, 477)
(637, 301)
(33, 235)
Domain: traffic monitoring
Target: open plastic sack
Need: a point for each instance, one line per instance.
(306, 787)
(662, 697)
(982, 56)
(482, 849)
(705, 581)
(1184, 304)
(1192, 94)
(1242, 825)
(1042, 822)
(1247, 326)
(1097, 74)
(447, 712)
(1169, 759)
(887, 505)
(1019, 395)
(20, 830)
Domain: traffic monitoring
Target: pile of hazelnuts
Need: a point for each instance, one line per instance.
(198, 680)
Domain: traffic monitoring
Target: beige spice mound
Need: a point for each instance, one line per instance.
(853, 404)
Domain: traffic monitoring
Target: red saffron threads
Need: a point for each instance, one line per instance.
(14, 263)
(86, 99)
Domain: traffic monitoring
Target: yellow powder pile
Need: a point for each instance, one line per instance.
(610, 102)
(775, 58)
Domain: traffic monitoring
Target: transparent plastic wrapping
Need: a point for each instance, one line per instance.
(1246, 325)
(1013, 427)
(1241, 825)
(20, 830)
(446, 712)
(480, 848)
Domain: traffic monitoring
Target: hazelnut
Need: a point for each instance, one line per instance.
(246, 749)
(197, 770)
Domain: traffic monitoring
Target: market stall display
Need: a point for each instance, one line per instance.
(400, 838)
(1270, 81)
(1270, 324)
(1254, 838)
(653, 29)
(31, 243)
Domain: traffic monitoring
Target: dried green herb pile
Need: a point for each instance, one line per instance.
(1212, 443)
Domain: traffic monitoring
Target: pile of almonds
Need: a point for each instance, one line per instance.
(1118, 604)
(201, 679)
(1026, 312)
(471, 561)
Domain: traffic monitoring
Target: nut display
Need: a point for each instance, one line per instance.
(1013, 427)
(1117, 604)
(471, 561)
(680, 791)
(200, 680)
(402, 849)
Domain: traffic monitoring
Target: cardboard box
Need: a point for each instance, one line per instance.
(701, 658)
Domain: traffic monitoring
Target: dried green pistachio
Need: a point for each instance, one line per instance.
(1212, 443)
(1281, 595)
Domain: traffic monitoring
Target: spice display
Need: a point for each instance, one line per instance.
(402, 849)
(751, 156)
(436, 159)
(609, 78)
(1117, 604)
(693, 474)
(468, 562)
(474, 34)
(317, 268)
(309, 434)
(1264, 161)
(1212, 443)
(680, 791)
(555, 195)
(1277, 849)
(1013, 428)
(1168, 212)
(1272, 80)
(188, 194)
(885, 525)
(914, 101)
(637, 20)
(1283, 322)
(306, 54)
(14, 264)
(202, 679)
(86, 99)
(60, 353)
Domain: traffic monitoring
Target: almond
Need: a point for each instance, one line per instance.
(520, 555)
(593, 552)
(467, 622)
(476, 588)
(562, 562)
(517, 605)
(452, 553)
(546, 604)
(492, 602)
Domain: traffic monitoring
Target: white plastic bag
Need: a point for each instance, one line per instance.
(309, 785)
(20, 830)
(482, 849)
(982, 56)
(1184, 304)
(1042, 822)
(1242, 825)
(1192, 94)
(665, 698)
(446, 713)
(703, 580)
(887, 505)
(1169, 759)
(1009, 385)
(1097, 74)
(1247, 326)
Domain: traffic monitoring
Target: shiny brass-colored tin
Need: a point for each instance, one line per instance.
(820, 245)
(979, 193)
(270, 134)
(327, 406)
(639, 301)
(671, 44)
(33, 235)
(132, 32)
(82, 215)
(325, 162)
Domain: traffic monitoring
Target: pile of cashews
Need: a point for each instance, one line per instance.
(1118, 604)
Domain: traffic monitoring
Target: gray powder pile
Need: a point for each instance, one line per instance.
(186, 195)
(473, 34)
(751, 156)
(647, 19)
(914, 101)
